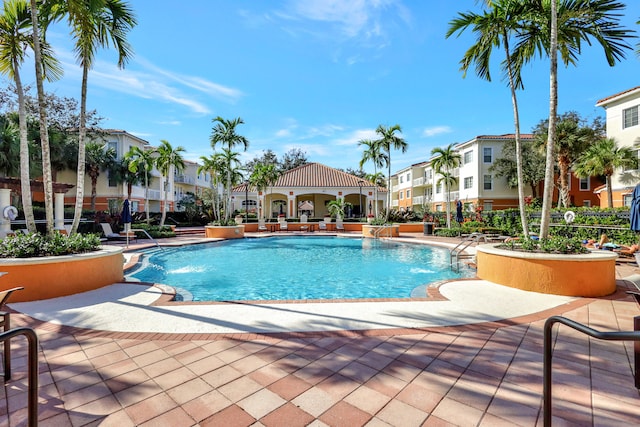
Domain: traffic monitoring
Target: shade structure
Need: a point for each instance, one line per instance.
(125, 218)
(634, 213)
(305, 206)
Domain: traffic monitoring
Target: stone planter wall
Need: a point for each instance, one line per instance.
(584, 275)
(224, 232)
(52, 277)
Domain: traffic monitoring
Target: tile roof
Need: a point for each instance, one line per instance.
(609, 98)
(316, 175)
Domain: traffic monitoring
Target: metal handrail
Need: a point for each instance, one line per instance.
(607, 336)
(145, 232)
(454, 254)
(32, 338)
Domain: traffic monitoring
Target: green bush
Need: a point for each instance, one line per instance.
(154, 231)
(38, 245)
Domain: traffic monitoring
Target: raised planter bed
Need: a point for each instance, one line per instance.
(224, 232)
(580, 275)
(57, 276)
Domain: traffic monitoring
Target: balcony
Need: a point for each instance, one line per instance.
(418, 182)
(184, 179)
(155, 195)
(394, 203)
(418, 200)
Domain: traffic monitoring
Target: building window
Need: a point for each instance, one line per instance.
(468, 182)
(586, 203)
(487, 206)
(488, 182)
(408, 194)
(627, 199)
(630, 117)
(408, 176)
(438, 208)
(439, 188)
(468, 157)
(401, 195)
(401, 179)
(135, 205)
(487, 154)
(584, 184)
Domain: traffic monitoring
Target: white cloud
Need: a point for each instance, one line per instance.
(356, 136)
(436, 130)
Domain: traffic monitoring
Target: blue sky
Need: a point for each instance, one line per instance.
(320, 75)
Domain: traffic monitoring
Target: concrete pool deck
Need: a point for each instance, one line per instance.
(476, 374)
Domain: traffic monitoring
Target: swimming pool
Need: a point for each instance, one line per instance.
(295, 268)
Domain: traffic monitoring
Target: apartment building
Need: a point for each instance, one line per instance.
(418, 186)
(623, 125)
(109, 192)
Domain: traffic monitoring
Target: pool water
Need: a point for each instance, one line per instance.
(285, 268)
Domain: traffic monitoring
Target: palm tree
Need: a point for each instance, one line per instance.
(99, 158)
(389, 140)
(447, 159)
(214, 166)
(44, 69)
(224, 133)
(264, 175)
(141, 160)
(169, 159)
(93, 24)
(373, 153)
(378, 180)
(337, 207)
(603, 158)
(15, 23)
(122, 174)
(549, 28)
(495, 28)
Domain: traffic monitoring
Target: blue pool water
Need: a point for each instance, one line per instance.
(282, 268)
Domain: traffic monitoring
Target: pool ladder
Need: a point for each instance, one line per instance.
(388, 229)
(458, 253)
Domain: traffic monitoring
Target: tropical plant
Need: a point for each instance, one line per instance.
(447, 159)
(99, 157)
(122, 174)
(550, 27)
(573, 136)
(214, 166)
(93, 24)
(142, 161)
(495, 28)
(374, 154)
(168, 159)
(224, 133)
(9, 147)
(532, 166)
(603, 158)
(264, 175)
(388, 141)
(338, 207)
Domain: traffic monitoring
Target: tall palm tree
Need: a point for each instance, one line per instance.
(447, 159)
(552, 28)
(141, 160)
(42, 72)
(213, 165)
(99, 157)
(373, 153)
(94, 24)
(123, 175)
(224, 133)
(495, 28)
(169, 159)
(378, 180)
(603, 158)
(15, 36)
(388, 141)
(264, 175)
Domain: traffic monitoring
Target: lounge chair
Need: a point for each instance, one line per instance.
(5, 322)
(109, 234)
(261, 225)
(322, 226)
(284, 226)
(339, 224)
(303, 222)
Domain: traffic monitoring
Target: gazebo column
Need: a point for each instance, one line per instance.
(5, 200)
(58, 211)
(291, 205)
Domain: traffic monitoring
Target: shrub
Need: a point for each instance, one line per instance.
(38, 245)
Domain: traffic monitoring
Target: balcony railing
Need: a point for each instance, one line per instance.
(418, 200)
(183, 179)
(418, 182)
(155, 195)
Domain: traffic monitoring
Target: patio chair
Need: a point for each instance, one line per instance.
(284, 226)
(109, 234)
(262, 226)
(339, 224)
(5, 321)
(322, 226)
(303, 222)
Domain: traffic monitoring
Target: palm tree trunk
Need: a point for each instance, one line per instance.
(609, 191)
(551, 136)
(563, 198)
(44, 132)
(82, 130)
(25, 178)
(163, 215)
(516, 120)
(94, 193)
(146, 194)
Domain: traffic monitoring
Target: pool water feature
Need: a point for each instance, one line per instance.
(297, 268)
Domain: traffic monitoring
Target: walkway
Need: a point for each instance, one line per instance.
(395, 372)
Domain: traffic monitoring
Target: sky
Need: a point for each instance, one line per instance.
(319, 76)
